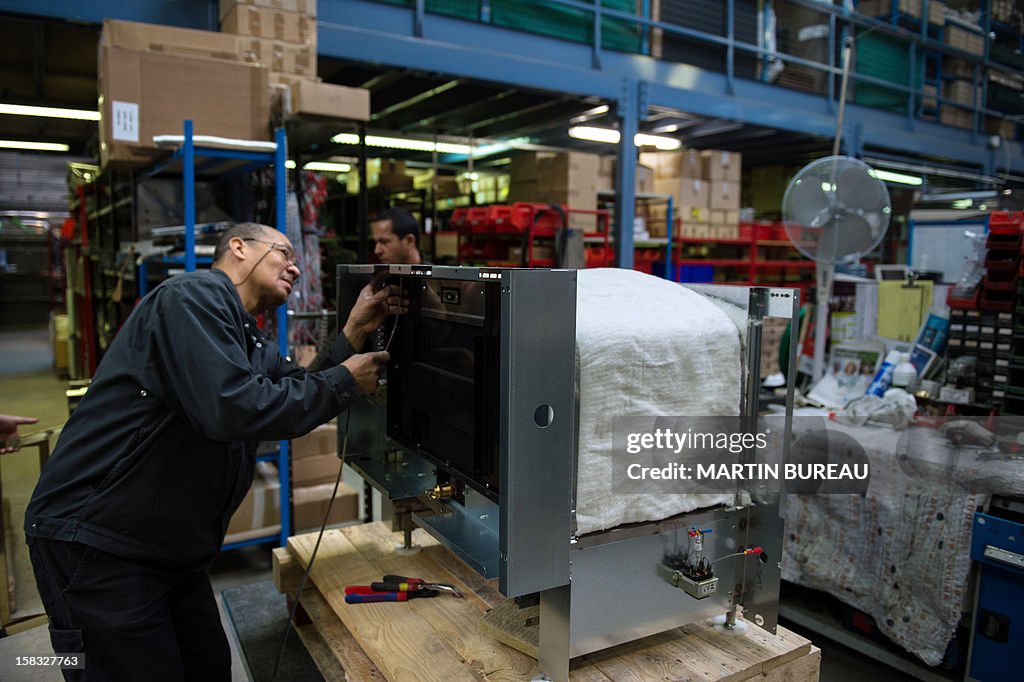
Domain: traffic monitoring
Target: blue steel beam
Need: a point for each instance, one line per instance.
(200, 14)
(352, 29)
(627, 110)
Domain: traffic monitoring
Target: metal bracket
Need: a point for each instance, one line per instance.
(642, 97)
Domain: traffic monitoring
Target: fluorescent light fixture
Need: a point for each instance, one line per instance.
(49, 112)
(665, 144)
(34, 146)
(611, 136)
(593, 134)
(289, 164)
(403, 143)
(963, 203)
(590, 114)
(900, 178)
(952, 196)
(327, 167)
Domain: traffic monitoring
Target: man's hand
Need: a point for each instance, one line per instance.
(365, 369)
(9, 430)
(372, 307)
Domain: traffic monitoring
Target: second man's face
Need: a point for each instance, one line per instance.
(387, 246)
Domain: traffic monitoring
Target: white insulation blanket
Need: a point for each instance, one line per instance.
(646, 347)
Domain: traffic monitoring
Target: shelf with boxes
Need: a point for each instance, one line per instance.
(526, 234)
(986, 339)
(759, 254)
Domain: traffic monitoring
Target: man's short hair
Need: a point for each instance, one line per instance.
(242, 231)
(402, 222)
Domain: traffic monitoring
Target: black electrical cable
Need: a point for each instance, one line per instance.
(316, 548)
(253, 268)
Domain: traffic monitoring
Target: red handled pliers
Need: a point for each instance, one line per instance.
(397, 588)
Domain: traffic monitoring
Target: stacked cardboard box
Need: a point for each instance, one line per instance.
(152, 78)
(567, 179)
(961, 92)
(281, 35)
(952, 116)
(315, 466)
(260, 511)
(971, 42)
(705, 189)
(912, 8)
(283, 40)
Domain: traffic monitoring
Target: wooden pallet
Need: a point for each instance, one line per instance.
(449, 639)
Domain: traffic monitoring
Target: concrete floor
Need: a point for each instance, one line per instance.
(30, 387)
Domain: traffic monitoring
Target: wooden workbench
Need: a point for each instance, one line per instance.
(441, 638)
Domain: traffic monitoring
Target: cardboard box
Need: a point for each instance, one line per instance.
(60, 329)
(309, 98)
(306, 7)
(446, 245)
(959, 118)
(606, 172)
(724, 195)
(724, 231)
(139, 37)
(279, 56)
(693, 194)
(719, 165)
(913, 8)
(261, 22)
(961, 92)
(729, 217)
(645, 178)
(1000, 126)
(309, 505)
(143, 94)
(323, 440)
(673, 165)
(315, 470)
(260, 511)
(970, 42)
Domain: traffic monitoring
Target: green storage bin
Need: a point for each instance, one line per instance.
(546, 18)
(569, 23)
(888, 59)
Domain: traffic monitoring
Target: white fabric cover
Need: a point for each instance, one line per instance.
(646, 347)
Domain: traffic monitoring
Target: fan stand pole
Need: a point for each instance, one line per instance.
(847, 56)
(824, 286)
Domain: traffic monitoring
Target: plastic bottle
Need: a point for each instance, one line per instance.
(905, 374)
(883, 379)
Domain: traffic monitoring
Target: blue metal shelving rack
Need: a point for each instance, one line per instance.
(191, 160)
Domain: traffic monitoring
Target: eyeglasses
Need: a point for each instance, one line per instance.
(286, 251)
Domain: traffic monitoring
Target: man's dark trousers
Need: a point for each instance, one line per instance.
(133, 620)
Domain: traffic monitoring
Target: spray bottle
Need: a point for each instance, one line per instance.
(883, 379)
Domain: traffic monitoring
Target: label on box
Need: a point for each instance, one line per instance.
(125, 121)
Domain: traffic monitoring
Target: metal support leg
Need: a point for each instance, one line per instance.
(625, 173)
(554, 633)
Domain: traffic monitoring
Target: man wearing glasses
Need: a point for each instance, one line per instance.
(134, 502)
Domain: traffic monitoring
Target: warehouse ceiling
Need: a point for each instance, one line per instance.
(50, 62)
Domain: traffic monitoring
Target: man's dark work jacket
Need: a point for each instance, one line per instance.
(161, 449)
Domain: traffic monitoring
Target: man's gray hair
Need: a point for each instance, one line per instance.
(244, 231)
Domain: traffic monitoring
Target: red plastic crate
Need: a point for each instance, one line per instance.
(756, 231)
(476, 218)
(963, 302)
(500, 218)
(1006, 222)
(458, 219)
